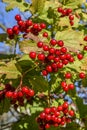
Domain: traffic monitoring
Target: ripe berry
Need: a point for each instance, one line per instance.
(64, 12)
(68, 75)
(44, 73)
(71, 86)
(41, 57)
(82, 75)
(66, 88)
(45, 34)
(43, 25)
(15, 29)
(47, 110)
(29, 23)
(60, 43)
(31, 93)
(45, 47)
(51, 50)
(71, 17)
(71, 113)
(35, 26)
(49, 68)
(80, 56)
(85, 48)
(47, 126)
(25, 90)
(9, 31)
(65, 105)
(60, 9)
(40, 44)
(20, 94)
(71, 23)
(63, 49)
(85, 38)
(32, 55)
(60, 65)
(9, 94)
(18, 17)
(63, 84)
(69, 11)
(53, 42)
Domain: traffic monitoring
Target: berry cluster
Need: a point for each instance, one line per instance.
(55, 116)
(17, 97)
(52, 58)
(66, 87)
(25, 27)
(67, 12)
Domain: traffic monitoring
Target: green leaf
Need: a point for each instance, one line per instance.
(10, 70)
(37, 6)
(82, 109)
(21, 4)
(72, 39)
(39, 84)
(3, 37)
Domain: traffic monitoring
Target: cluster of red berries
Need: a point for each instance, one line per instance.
(25, 27)
(7, 87)
(66, 87)
(52, 58)
(67, 12)
(55, 116)
(17, 97)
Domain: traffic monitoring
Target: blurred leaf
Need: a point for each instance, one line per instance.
(3, 37)
(10, 70)
(39, 84)
(82, 109)
(21, 4)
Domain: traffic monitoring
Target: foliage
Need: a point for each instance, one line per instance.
(24, 73)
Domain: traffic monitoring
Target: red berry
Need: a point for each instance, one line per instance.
(49, 68)
(60, 108)
(25, 90)
(66, 88)
(31, 93)
(71, 23)
(41, 57)
(18, 17)
(64, 12)
(47, 110)
(47, 126)
(60, 43)
(43, 25)
(63, 84)
(63, 49)
(32, 55)
(71, 17)
(65, 105)
(71, 86)
(40, 44)
(51, 50)
(20, 23)
(45, 34)
(85, 48)
(15, 29)
(71, 113)
(9, 31)
(69, 11)
(85, 38)
(68, 75)
(44, 73)
(80, 56)
(29, 23)
(82, 75)
(45, 47)
(15, 95)
(60, 9)
(53, 42)
(9, 94)
(42, 115)
(35, 26)
(60, 65)
(20, 94)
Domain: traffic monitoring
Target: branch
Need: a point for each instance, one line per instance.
(3, 27)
